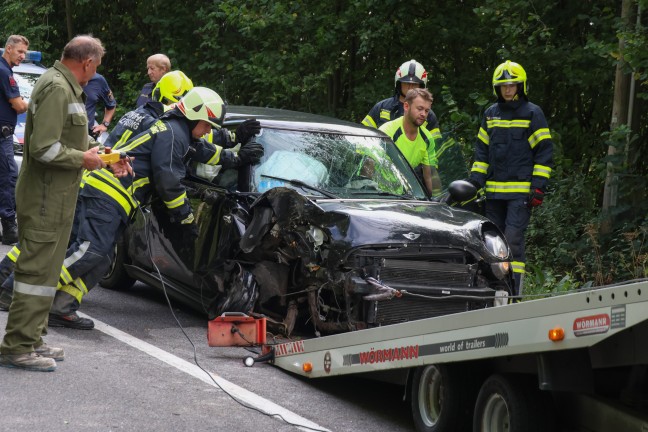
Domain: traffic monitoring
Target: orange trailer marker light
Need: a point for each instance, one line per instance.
(307, 367)
(556, 334)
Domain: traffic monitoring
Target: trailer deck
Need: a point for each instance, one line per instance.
(587, 318)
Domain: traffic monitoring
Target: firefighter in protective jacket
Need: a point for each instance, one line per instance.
(158, 157)
(513, 160)
(169, 89)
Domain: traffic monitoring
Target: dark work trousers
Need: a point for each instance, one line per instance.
(8, 176)
(98, 224)
(512, 217)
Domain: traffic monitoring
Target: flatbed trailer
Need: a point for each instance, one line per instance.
(571, 362)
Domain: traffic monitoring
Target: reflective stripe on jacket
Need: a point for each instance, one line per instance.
(158, 162)
(134, 122)
(513, 151)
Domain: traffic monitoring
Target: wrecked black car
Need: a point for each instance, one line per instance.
(331, 230)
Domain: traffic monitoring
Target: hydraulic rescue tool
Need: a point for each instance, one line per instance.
(109, 157)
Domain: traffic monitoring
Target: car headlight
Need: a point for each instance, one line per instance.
(496, 245)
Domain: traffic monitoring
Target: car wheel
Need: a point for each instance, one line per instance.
(117, 278)
(512, 403)
(441, 399)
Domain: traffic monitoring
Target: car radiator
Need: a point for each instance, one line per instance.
(432, 284)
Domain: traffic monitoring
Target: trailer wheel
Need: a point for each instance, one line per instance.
(512, 403)
(439, 399)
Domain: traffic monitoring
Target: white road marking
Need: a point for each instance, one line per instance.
(245, 396)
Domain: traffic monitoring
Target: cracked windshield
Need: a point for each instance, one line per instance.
(336, 165)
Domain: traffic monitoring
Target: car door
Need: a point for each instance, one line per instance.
(190, 257)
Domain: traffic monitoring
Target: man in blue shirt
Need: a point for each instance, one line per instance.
(98, 90)
(11, 104)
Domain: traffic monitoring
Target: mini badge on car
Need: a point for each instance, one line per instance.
(411, 236)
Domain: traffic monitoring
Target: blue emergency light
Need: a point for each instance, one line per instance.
(34, 56)
(30, 57)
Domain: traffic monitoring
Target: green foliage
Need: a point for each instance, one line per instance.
(555, 234)
(539, 282)
(565, 235)
(30, 19)
(339, 58)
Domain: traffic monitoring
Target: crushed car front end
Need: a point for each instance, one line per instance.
(330, 232)
(351, 264)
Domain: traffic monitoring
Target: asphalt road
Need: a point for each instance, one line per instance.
(136, 371)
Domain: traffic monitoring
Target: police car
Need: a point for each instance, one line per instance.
(26, 74)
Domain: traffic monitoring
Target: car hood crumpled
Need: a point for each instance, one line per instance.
(374, 222)
(354, 223)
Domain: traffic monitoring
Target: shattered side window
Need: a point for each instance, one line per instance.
(338, 164)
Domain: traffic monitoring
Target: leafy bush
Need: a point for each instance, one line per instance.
(539, 282)
(570, 234)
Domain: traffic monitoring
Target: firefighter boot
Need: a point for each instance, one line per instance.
(63, 311)
(9, 231)
(518, 279)
(72, 320)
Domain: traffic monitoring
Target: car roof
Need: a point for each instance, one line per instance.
(274, 118)
(29, 68)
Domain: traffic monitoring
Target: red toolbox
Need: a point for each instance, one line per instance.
(236, 329)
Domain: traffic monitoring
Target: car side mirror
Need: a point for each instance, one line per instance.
(461, 190)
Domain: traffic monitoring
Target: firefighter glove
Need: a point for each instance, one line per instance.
(474, 183)
(246, 130)
(188, 231)
(189, 219)
(250, 154)
(479, 195)
(535, 198)
(181, 217)
(223, 138)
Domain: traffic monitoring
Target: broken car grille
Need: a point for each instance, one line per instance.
(441, 282)
(409, 272)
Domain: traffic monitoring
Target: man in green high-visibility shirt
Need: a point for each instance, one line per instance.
(416, 142)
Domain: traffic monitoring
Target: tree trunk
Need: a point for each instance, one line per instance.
(619, 117)
(68, 19)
